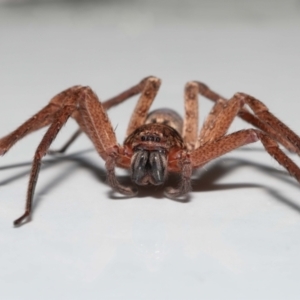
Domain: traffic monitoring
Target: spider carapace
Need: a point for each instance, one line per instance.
(155, 147)
(157, 142)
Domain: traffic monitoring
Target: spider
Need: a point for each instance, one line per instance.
(158, 142)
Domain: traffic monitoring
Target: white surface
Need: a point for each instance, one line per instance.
(237, 237)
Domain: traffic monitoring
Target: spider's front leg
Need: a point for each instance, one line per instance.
(116, 100)
(83, 105)
(94, 121)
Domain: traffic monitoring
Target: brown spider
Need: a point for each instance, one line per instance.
(157, 142)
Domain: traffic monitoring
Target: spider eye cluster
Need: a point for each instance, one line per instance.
(150, 138)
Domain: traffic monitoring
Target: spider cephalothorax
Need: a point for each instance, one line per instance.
(157, 142)
(153, 148)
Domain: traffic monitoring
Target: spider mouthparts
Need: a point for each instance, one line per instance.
(148, 167)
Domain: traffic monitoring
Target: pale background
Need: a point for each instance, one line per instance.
(239, 235)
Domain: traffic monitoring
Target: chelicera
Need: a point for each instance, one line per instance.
(157, 142)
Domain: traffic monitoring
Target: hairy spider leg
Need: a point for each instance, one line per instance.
(219, 120)
(191, 116)
(246, 115)
(51, 133)
(213, 143)
(216, 144)
(267, 117)
(215, 126)
(41, 119)
(143, 105)
(189, 134)
(111, 102)
(225, 144)
(209, 123)
(83, 105)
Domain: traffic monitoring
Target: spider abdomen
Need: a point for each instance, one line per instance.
(166, 116)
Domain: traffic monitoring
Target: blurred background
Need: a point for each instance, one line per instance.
(238, 235)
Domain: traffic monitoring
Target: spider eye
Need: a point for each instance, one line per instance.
(150, 138)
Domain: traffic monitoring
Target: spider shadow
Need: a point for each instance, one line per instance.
(156, 192)
(204, 181)
(207, 178)
(78, 160)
